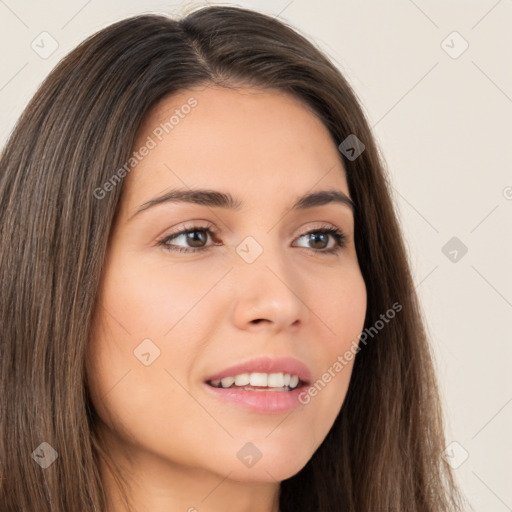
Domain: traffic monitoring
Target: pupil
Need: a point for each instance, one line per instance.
(318, 237)
(193, 238)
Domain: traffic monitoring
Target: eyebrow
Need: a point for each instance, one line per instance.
(216, 199)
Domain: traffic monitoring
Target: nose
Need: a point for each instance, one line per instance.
(268, 295)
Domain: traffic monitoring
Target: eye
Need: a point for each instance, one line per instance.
(320, 237)
(196, 237)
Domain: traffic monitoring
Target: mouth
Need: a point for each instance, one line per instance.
(257, 381)
(263, 385)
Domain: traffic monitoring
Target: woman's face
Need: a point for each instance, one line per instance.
(177, 310)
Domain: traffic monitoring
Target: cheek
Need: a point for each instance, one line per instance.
(341, 309)
(150, 300)
(148, 336)
(139, 393)
(144, 345)
(340, 306)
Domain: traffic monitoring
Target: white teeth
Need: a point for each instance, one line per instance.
(227, 381)
(242, 379)
(294, 380)
(260, 380)
(276, 380)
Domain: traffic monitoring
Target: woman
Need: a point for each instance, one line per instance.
(276, 360)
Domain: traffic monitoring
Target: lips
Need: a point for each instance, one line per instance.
(266, 364)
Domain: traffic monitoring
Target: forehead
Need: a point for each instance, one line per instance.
(244, 140)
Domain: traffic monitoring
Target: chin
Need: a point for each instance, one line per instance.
(276, 467)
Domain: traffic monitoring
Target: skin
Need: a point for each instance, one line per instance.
(175, 443)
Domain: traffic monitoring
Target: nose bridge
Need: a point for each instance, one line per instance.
(261, 239)
(267, 287)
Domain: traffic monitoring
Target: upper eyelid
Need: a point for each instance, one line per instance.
(214, 230)
(185, 229)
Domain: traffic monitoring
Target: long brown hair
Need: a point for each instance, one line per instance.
(384, 451)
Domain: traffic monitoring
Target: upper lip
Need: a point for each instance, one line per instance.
(266, 364)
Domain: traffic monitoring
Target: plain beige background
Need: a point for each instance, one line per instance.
(442, 114)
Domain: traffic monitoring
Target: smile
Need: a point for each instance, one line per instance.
(258, 382)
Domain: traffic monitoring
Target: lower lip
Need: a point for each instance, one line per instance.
(269, 402)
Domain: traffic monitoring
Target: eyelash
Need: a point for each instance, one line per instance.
(337, 234)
